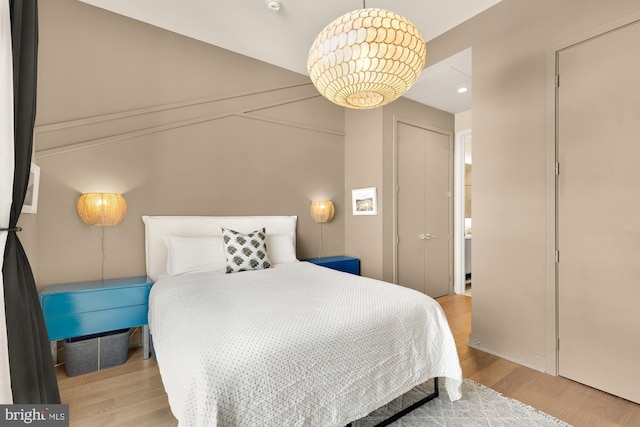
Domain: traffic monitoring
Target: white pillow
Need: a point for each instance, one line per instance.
(194, 254)
(281, 248)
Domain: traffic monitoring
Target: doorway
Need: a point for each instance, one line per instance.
(463, 226)
(424, 209)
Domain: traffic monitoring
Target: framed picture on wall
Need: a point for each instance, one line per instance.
(364, 201)
(31, 198)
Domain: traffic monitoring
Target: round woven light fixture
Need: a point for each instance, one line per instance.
(366, 58)
(102, 209)
(322, 210)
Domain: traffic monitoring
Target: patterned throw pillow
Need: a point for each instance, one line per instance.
(245, 251)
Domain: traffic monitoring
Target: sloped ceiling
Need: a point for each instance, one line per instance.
(283, 38)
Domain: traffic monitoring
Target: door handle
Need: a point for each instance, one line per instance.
(427, 236)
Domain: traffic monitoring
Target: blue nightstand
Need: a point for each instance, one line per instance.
(340, 263)
(85, 308)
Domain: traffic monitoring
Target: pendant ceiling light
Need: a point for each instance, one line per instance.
(366, 58)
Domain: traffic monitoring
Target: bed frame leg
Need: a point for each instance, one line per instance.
(395, 417)
(405, 411)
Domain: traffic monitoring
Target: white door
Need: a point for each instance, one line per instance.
(599, 212)
(424, 210)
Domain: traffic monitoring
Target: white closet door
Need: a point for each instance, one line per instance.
(599, 212)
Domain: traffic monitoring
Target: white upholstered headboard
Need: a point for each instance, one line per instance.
(157, 227)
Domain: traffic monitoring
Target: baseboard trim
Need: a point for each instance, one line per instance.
(512, 354)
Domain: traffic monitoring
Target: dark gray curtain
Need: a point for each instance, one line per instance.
(33, 377)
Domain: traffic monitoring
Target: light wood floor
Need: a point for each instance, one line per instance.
(132, 394)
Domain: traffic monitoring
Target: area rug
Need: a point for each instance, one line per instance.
(479, 406)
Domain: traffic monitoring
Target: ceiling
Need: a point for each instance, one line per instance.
(283, 38)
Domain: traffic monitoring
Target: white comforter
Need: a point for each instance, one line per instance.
(294, 345)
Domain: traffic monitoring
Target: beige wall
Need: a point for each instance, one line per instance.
(180, 128)
(463, 121)
(363, 169)
(511, 171)
(370, 162)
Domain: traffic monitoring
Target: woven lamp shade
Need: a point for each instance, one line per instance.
(102, 209)
(366, 58)
(322, 211)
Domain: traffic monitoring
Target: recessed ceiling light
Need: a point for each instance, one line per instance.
(462, 90)
(274, 5)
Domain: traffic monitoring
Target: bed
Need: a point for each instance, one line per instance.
(294, 344)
